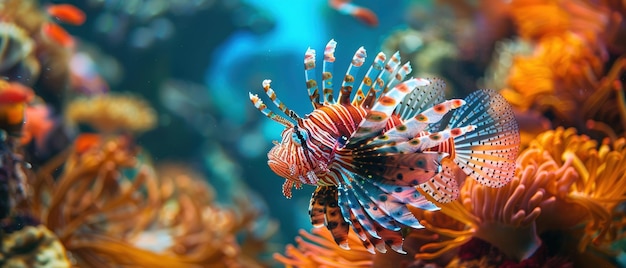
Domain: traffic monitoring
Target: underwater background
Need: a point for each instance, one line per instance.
(129, 139)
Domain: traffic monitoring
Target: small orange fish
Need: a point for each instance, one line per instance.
(86, 141)
(13, 99)
(64, 13)
(11, 93)
(37, 125)
(57, 34)
(363, 14)
(67, 13)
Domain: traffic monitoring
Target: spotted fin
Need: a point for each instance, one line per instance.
(393, 239)
(372, 209)
(421, 143)
(391, 68)
(382, 203)
(364, 236)
(432, 115)
(381, 81)
(407, 195)
(350, 205)
(399, 76)
(322, 197)
(397, 168)
(376, 119)
(443, 187)
(488, 153)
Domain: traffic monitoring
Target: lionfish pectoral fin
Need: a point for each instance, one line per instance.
(408, 195)
(393, 239)
(443, 187)
(393, 210)
(325, 210)
(322, 196)
(351, 203)
(398, 168)
(371, 207)
(488, 153)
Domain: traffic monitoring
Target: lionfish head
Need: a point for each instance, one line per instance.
(290, 157)
(287, 158)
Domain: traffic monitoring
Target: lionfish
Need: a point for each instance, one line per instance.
(374, 154)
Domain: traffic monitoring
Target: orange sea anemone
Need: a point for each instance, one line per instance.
(595, 184)
(571, 41)
(494, 213)
(321, 251)
(110, 208)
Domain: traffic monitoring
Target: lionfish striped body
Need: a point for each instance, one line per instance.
(370, 155)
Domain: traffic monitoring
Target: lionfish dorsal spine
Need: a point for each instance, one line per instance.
(417, 124)
(281, 106)
(351, 73)
(399, 76)
(368, 81)
(376, 118)
(327, 72)
(391, 68)
(310, 78)
(258, 103)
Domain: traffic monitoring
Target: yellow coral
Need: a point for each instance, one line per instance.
(112, 113)
(599, 182)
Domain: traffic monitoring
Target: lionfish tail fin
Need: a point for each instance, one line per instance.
(488, 153)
